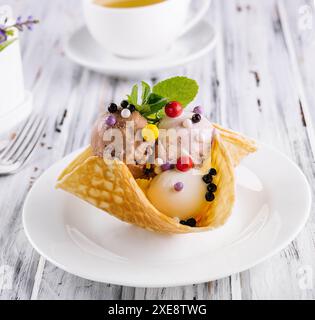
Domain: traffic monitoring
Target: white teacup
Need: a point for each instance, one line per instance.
(141, 31)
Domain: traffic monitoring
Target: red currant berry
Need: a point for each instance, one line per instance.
(173, 109)
(184, 164)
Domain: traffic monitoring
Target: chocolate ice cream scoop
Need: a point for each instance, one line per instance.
(99, 141)
(115, 135)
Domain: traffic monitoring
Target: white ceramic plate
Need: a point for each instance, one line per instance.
(84, 50)
(273, 204)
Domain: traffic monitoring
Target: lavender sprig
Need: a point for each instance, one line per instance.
(29, 23)
(3, 35)
(8, 30)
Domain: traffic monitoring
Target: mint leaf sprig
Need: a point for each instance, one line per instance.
(151, 103)
(153, 100)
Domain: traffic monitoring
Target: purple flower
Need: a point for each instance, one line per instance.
(28, 23)
(3, 36)
(8, 30)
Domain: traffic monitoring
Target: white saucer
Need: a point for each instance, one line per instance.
(84, 50)
(271, 209)
(16, 115)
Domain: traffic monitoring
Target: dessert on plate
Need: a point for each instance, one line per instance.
(154, 164)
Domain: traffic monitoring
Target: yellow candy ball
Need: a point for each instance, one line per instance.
(150, 132)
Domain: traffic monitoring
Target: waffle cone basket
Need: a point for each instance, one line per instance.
(110, 186)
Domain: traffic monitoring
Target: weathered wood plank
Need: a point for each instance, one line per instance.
(56, 84)
(298, 26)
(263, 101)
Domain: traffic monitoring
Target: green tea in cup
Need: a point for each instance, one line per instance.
(127, 3)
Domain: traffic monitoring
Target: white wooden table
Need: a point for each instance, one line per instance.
(259, 80)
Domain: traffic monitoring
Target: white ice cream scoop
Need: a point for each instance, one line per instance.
(184, 135)
(178, 194)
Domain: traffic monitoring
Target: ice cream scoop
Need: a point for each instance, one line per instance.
(188, 134)
(114, 134)
(178, 194)
(109, 121)
(186, 185)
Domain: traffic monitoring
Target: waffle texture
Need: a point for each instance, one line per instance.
(110, 186)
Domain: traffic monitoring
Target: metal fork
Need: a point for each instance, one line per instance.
(15, 155)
